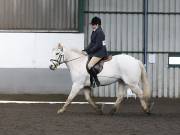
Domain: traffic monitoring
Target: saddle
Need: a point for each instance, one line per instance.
(99, 66)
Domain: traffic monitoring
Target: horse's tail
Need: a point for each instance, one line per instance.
(145, 82)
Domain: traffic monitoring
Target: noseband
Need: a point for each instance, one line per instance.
(58, 61)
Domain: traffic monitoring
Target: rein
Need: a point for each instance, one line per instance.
(59, 60)
(70, 60)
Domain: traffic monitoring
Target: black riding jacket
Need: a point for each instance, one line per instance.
(97, 46)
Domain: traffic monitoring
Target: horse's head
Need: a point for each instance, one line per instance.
(58, 57)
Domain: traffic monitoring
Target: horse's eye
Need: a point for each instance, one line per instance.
(57, 53)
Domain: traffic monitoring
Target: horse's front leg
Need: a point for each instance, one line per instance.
(74, 91)
(87, 94)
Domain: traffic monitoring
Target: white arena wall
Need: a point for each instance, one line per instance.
(24, 62)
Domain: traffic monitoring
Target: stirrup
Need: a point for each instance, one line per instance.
(98, 83)
(95, 82)
(92, 82)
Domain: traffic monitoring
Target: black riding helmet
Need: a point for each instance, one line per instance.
(95, 20)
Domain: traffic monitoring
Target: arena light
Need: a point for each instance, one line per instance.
(174, 60)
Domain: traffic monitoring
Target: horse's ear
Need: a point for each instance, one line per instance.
(60, 46)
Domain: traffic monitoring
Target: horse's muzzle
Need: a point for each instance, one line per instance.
(52, 67)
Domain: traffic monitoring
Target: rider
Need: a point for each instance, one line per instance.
(96, 50)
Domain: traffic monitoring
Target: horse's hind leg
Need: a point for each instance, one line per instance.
(120, 96)
(74, 91)
(87, 94)
(138, 91)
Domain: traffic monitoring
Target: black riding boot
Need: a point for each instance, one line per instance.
(93, 78)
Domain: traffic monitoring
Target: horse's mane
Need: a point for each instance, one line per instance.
(77, 51)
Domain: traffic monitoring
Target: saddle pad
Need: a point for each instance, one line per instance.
(99, 66)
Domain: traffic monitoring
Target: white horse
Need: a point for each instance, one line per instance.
(124, 69)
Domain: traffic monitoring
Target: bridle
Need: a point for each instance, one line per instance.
(60, 60)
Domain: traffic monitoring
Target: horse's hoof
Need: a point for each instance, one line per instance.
(100, 109)
(148, 112)
(149, 109)
(60, 111)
